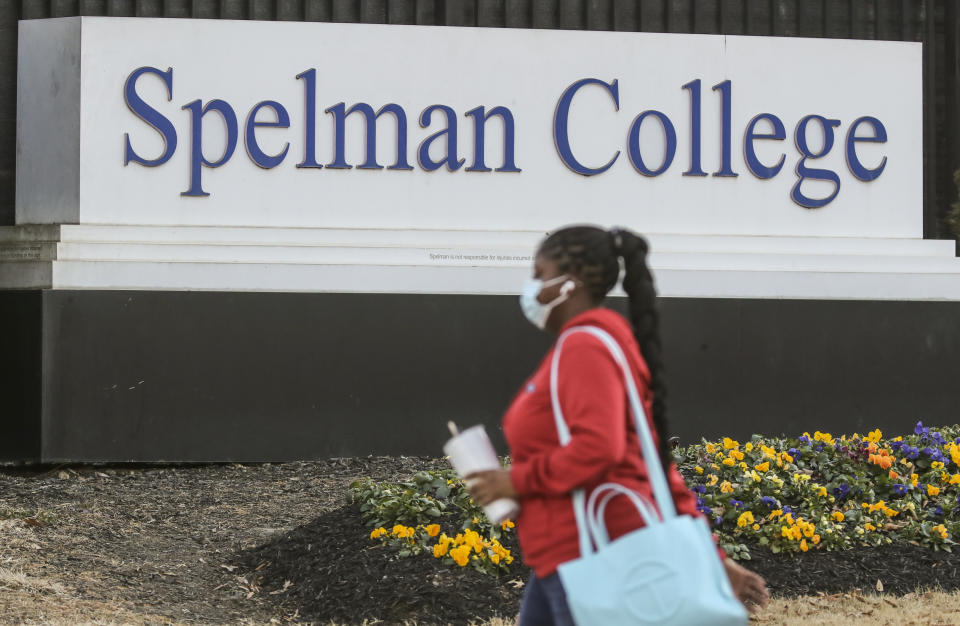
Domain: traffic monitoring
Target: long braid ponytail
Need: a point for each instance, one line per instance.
(645, 319)
(593, 255)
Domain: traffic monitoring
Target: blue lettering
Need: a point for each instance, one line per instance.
(309, 78)
(561, 118)
(804, 172)
(479, 122)
(257, 155)
(197, 160)
(779, 133)
(853, 162)
(370, 120)
(149, 115)
(726, 96)
(634, 143)
(695, 169)
(423, 155)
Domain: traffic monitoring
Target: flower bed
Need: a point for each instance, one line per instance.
(430, 497)
(814, 492)
(820, 492)
(828, 514)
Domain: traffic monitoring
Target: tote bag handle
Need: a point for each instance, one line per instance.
(648, 449)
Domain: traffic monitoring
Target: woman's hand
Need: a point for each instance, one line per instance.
(749, 588)
(490, 485)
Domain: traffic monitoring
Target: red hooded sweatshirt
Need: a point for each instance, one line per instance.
(603, 445)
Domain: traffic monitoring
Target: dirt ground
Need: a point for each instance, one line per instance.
(275, 543)
(159, 543)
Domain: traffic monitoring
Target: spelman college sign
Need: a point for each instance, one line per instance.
(242, 241)
(215, 123)
(448, 135)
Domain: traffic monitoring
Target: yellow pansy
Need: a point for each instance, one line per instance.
(461, 555)
(763, 467)
(954, 451)
(377, 533)
(402, 531)
(826, 438)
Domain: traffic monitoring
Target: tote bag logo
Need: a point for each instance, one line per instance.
(651, 575)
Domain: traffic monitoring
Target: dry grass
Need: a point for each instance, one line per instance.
(29, 599)
(42, 602)
(923, 608)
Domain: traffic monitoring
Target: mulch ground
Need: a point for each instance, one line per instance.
(231, 543)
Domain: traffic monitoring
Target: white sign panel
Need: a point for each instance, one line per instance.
(270, 124)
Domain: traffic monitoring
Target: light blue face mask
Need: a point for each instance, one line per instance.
(533, 309)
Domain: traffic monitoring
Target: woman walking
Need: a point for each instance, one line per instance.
(574, 269)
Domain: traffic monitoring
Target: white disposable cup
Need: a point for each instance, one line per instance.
(471, 451)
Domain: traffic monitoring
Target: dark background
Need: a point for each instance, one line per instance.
(218, 376)
(934, 22)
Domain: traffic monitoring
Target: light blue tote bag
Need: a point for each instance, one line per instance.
(665, 573)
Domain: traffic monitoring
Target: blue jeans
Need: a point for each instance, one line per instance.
(545, 603)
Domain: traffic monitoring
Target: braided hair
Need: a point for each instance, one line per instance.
(593, 256)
